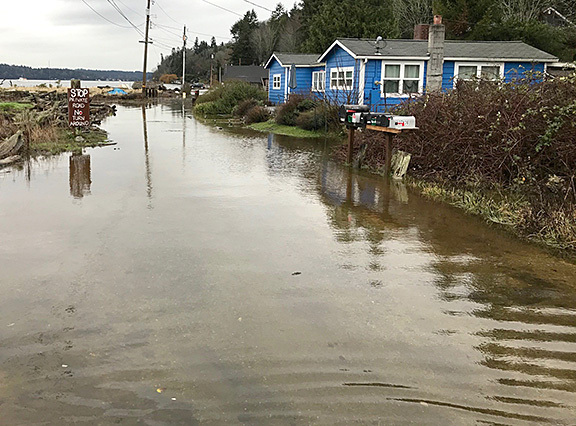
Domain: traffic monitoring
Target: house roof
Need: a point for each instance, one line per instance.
(453, 50)
(248, 73)
(298, 59)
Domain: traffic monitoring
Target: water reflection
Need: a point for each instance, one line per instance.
(524, 307)
(147, 158)
(80, 175)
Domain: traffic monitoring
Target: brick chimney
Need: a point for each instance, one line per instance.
(436, 38)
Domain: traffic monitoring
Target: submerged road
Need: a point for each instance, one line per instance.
(191, 275)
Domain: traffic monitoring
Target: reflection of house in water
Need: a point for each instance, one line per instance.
(80, 175)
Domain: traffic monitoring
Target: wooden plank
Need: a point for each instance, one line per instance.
(384, 129)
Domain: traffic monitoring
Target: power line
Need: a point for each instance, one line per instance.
(221, 7)
(163, 28)
(166, 13)
(103, 17)
(129, 8)
(257, 5)
(117, 8)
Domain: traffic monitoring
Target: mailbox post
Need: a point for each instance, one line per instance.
(359, 116)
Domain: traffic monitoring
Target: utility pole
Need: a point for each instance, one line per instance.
(211, 68)
(183, 62)
(146, 48)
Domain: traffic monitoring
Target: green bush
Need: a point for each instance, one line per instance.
(257, 114)
(229, 95)
(208, 108)
(288, 111)
(311, 120)
(243, 107)
(306, 104)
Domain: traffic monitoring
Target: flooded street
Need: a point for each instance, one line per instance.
(196, 275)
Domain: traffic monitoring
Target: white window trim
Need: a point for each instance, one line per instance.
(276, 78)
(401, 79)
(321, 79)
(344, 70)
(478, 66)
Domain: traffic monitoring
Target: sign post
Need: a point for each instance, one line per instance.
(78, 107)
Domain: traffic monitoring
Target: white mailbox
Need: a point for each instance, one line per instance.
(402, 122)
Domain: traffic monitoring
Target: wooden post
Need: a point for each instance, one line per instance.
(388, 164)
(350, 145)
(75, 84)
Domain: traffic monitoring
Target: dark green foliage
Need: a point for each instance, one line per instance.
(306, 104)
(324, 21)
(17, 71)
(288, 111)
(242, 49)
(243, 107)
(308, 114)
(224, 98)
(257, 114)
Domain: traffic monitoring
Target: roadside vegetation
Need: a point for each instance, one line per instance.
(42, 121)
(224, 98)
(503, 151)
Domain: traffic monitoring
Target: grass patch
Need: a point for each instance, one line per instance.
(14, 106)
(64, 140)
(500, 207)
(272, 127)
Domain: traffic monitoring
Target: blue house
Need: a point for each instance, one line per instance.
(384, 73)
(300, 69)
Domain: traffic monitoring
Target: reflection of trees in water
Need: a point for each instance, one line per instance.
(80, 175)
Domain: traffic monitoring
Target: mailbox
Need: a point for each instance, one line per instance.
(378, 119)
(353, 115)
(401, 122)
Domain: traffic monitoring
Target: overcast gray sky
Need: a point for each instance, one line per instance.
(68, 34)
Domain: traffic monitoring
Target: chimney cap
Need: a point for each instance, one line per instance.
(437, 19)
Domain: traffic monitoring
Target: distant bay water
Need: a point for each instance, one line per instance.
(64, 83)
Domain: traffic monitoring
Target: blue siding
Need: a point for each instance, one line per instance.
(339, 58)
(276, 96)
(448, 75)
(518, 70)
(372, 96)
(303, 81)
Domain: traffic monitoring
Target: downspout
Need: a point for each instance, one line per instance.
(362, 81)
(286, 88)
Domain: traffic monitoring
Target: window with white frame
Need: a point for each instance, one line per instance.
(402, 78)
(318, 81)
(487, 71)
(342, 78)
(276, 81)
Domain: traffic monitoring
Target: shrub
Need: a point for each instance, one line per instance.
(208, 108)
(288, 111)
(306, 105)
(311, 120)
(257, 114)
(229, 95)
(243, 107)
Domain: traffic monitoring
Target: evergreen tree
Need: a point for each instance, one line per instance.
(242, 30)
(326, 20)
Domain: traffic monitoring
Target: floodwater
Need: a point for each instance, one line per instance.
(196, 275)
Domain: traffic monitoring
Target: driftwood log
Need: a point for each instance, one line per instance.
(9, 160)
(12, 145)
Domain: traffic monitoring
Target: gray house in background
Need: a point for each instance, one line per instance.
(253, 74)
